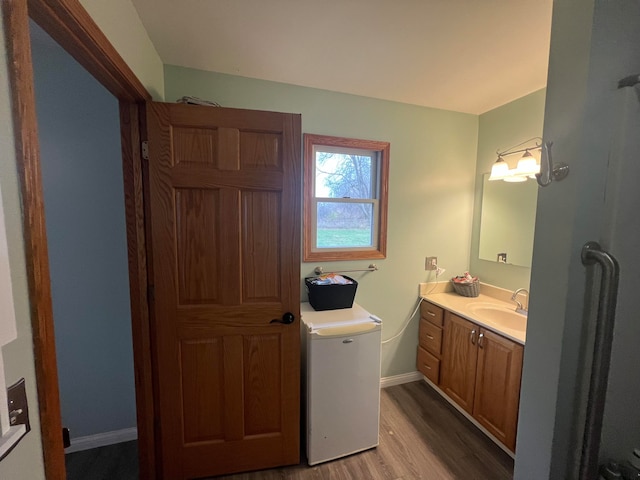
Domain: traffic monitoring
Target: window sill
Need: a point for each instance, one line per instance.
(344, 255)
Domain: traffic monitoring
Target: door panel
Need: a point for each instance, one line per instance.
(260, 246)
(225, 222)
(202, 360)
(262, 407)
(194, 145)
(197, 230)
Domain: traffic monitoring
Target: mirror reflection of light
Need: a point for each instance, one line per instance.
(515, 179)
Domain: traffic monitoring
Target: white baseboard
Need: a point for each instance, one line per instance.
(400, 379)
(102, 439)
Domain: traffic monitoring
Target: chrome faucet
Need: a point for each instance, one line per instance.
(519, 307)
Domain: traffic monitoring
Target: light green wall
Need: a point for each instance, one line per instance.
(431, 184)
(119, 21)
(25, 461)
(502, 128)
(432, 181)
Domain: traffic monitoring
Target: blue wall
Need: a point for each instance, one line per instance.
(79, 135)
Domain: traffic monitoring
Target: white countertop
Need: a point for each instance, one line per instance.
(462, 306)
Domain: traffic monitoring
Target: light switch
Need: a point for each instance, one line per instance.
(18, 418)
(18, 408)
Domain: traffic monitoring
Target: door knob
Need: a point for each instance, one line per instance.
(286, 319)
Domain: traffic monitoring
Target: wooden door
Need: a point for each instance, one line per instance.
(225, 227)
(498, 386)
(459, 353)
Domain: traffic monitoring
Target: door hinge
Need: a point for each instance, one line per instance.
(145, 150)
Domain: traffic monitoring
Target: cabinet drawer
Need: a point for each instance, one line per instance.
(432, 312)
(430, 337)
(428, 365)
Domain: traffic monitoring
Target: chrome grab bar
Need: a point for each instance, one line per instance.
(592, 253)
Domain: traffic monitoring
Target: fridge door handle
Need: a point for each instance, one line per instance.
(592, 253)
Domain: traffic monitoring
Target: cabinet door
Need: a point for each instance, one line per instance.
(458, 364)
(498, 386)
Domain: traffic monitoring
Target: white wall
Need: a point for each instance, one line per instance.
(119, 21)
(25, 461)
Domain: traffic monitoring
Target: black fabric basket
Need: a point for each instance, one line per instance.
(331, 297)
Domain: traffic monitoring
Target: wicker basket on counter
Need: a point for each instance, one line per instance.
(467, 289)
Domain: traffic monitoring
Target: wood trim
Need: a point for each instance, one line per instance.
(35, 235)
(384, 149)
(138, 280)
(69, 24)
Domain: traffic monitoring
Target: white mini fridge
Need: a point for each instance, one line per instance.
(341, 376)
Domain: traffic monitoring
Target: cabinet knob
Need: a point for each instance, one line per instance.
(472, 337)
(480, 337)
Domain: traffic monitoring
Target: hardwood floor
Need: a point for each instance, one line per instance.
(113, 462)
(421, 437)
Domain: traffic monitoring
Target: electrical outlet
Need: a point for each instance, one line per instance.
(431, 263)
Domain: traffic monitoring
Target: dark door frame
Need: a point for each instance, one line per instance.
(68, 23)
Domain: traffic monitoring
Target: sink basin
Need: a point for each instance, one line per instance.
(499, 315)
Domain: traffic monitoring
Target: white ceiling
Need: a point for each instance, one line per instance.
(462, 55)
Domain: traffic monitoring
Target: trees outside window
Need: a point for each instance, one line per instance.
(346, 183)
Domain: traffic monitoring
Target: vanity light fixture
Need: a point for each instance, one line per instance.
(544, 172)
(527, 166)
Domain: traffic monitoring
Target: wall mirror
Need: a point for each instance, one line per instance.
(508, 221)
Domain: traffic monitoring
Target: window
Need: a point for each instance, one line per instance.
(345, 198)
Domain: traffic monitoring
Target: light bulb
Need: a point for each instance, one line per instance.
(527, 165)
(499, 170)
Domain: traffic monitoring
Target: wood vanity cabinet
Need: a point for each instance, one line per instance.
(481, 371)
(497, 396)
(460, 358)
(430, 341)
